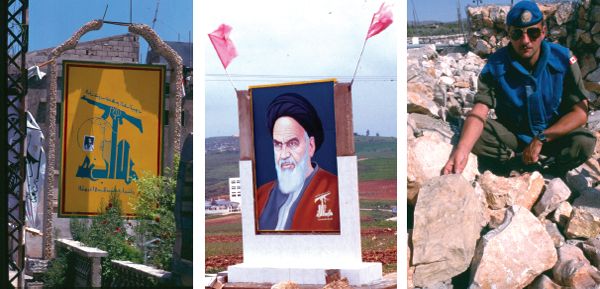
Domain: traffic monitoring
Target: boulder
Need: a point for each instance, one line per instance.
(500, 260)
(594, 13)
(339, 284)
(565, 12)
(556, 192)
(544, 282)
(482, 48)
(421, 88)
(554, 233)
(562, 214)
(426, 158)
(573, 269)
(582, 224)
(591, 248)
(448, 221)
(503, 192)
(285, 285)
(496, 217)
(588, 64)
(593, 76)
(590, 170)
(589, 200)
(419, 103)
(434, 128)
(596, 28)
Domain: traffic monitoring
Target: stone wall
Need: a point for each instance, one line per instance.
(575, 25)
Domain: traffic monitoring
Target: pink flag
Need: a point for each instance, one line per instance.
(381, 20)
(223, 45)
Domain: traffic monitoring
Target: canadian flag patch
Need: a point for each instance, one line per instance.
(573, 60)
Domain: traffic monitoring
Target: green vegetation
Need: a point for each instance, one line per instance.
(211, 217)
(390, 268)
(108, 232)
(381, 243)
(377, 204)
(222, 249)
(56, 275)
(369, 147)
(224, 230)
(220, 167)
(376, 169)
(435, 29)
(214, 270)
(380, 225)
(155, 210)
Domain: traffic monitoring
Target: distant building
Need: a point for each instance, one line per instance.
(235, 192)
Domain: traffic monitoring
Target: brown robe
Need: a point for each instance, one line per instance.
(306, 216)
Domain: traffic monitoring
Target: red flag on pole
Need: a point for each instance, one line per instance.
(381, 20)
(223, 45)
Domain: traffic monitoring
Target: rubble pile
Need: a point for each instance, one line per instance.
(575, 25)
(484, 230)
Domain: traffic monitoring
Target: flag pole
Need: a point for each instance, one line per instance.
(359, 57)
(230, 80)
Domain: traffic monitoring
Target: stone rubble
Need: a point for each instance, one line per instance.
(535, 230)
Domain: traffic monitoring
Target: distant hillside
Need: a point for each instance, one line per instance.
(377, 161)
(432, 28)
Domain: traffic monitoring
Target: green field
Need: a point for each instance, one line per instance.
(219, 167)
(377, 169)
(369, 147)
(377, 204)
(222, 161)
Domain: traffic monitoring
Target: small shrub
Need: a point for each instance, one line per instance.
(56, 275)
(107, 232)
(154, 207)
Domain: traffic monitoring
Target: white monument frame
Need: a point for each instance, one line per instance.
(303, 258)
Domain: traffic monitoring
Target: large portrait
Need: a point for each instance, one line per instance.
(295, 158)
(112, 132)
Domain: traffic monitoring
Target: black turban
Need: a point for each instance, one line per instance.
(298, 108)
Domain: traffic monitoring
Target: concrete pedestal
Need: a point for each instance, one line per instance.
(357, 274)
(304, 258)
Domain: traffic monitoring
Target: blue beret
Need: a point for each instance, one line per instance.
(523, 14)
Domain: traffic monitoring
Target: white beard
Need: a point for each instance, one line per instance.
(291, 180)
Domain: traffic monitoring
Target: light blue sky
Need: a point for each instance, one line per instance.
(444, 10)
(290, 41)
(52, 22)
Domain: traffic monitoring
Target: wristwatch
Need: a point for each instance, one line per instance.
(542, 137)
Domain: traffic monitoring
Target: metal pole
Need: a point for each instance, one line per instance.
(4, 268)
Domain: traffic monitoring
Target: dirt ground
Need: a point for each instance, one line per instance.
(238, 238)
(378, 190)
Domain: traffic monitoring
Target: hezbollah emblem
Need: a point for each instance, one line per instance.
(526, 16)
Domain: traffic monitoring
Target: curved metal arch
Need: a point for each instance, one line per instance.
(160, 48)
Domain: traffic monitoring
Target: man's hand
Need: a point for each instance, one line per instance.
(456, 163)
(532, 151)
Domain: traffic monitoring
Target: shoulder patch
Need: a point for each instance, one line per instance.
(573, 59)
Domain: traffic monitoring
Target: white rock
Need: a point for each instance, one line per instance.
(514, 254)
(448, 222)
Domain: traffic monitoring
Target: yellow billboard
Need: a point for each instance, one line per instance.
(111, 132)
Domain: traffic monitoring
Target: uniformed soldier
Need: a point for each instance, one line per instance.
(541, 104)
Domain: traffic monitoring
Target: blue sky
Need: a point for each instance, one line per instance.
(444, 10)
(52, 22)
(290, 41)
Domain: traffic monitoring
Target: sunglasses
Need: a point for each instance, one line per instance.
(533, 33)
